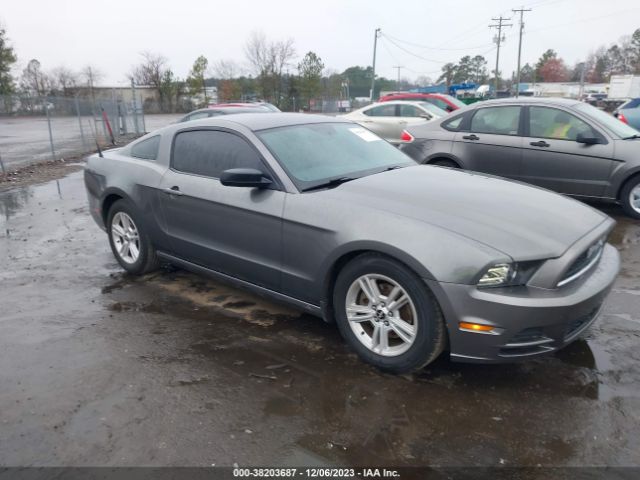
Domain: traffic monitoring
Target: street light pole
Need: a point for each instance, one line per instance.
(373, 74)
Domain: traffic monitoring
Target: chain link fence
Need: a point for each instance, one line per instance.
(43, 128)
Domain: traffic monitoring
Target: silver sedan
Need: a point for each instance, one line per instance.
(389, 119)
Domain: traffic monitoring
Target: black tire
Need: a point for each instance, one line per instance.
(147, 260)
(445, 163)
(430, 338)
(625, 195)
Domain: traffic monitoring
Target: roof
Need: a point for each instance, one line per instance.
(567, 102)
(262, 121)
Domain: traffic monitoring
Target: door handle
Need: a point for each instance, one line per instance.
(540, 143)
(473, 136)
(175, 190)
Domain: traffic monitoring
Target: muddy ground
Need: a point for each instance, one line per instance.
(98, 368)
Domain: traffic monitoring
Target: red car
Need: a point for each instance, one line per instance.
(445, 102)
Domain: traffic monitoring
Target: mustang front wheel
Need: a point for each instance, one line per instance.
(387, 314)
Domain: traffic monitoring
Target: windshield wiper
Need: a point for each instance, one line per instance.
(331, 183)
(635, 135)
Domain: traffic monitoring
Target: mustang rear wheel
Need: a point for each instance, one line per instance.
(129, 242)
(387, 314)
(630, 197)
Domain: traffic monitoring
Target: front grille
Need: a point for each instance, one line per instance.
(583, 263)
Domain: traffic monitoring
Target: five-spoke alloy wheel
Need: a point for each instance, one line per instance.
(387, 314)
(129, 242)
(381, 314)
(125, 237)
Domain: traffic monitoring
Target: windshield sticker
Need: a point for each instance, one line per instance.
(365, 134)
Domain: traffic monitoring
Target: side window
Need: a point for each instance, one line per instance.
(557, 124)
(411, 111)
(381, 111)
(496, 120)
(146, 149)
(440, 103)
(454, 124)
(210, 152)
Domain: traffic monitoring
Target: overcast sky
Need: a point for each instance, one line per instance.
(111, 34)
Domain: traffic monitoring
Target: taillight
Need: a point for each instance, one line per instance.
(622, 118)
(406, 136)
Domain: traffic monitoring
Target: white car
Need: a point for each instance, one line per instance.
(389, 119)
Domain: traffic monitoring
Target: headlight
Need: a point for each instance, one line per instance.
(497, 275)
(508, 274)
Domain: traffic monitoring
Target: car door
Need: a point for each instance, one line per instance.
(233, 230)
(491, 142)
(552, 158)
(384, 121)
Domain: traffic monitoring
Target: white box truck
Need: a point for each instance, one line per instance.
(622, 87)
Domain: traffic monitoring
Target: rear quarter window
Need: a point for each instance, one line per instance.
(454, 124)
(146, 149)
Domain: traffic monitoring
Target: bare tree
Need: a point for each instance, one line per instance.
(226, 69)
(91, 76)
(150, 71)
(269, 59)
(65, 79)
(34, 81)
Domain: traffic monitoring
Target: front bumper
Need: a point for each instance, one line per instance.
(529, 321)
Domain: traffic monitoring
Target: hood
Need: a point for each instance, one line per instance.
(521, 221)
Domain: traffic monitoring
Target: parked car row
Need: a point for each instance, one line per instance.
(567, 146)
(409, 260)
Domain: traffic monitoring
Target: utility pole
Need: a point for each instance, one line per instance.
(398, 67)
(521, 10)
(583, 66)
(373, 74)
(498, 40)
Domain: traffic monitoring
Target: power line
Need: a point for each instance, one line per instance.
(521, 11)
(498, 40)
(411, 53)
(435, 48)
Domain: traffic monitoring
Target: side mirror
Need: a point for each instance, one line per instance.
(587, 140)
(426, 116)
(244, 177)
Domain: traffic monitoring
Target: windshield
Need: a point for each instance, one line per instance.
(430, 107)
(618, 128)
(455, 101)
(314, 154)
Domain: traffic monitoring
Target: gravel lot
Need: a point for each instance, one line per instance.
(98, 368)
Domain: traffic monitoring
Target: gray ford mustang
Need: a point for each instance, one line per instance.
(409, 260)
